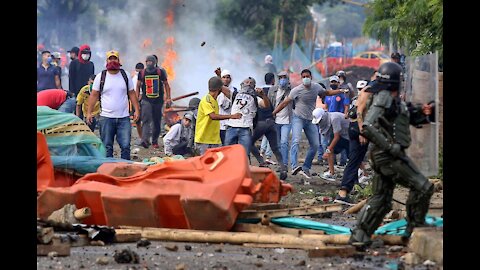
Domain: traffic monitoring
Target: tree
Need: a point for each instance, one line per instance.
(256, 20)
(415, 25)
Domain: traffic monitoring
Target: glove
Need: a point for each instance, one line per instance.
(396, 150)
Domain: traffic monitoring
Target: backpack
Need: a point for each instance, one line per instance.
(255, 119)
(159, 73)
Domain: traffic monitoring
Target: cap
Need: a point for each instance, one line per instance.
(282, 73)
(318, 113)
(341, 73)
(361, 84)
(334, 78)
(226, 72)
(74, 50)
(188, 115)
(151, 58)
(395, 55)
(56, 55)
(113, 53)
(214, 83)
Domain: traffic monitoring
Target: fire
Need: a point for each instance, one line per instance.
(170, 56)
(169, 18)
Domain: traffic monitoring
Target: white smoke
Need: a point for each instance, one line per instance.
(194, 24)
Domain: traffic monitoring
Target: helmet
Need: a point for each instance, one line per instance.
(194, 102)
(389, 72)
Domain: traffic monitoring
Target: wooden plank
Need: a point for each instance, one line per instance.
(289, 246)
(127, 237)
(182, 235)
(357, 207)
(297, 211)
(268, 206)
(344, 251)
(61, 249)
(257, 228)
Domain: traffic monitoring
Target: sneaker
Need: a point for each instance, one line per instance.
(305, 174)
(155, 146)
(296, 170)
(328, 176)
(138, 142)
(360, 173)
(343, 200)
(145, 145)
(271, 162)
(263, 165)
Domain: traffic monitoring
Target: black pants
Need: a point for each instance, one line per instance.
(268, 129)
(355, 158)
(181, 149)
(151, 114)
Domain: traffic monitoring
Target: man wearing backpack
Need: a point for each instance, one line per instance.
(152, 80)
(245, 102)
(114, 87)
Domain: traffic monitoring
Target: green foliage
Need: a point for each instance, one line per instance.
(363, 192)
(416, 25)
(256, 20)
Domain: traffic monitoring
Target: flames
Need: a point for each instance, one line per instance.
(167, 52)
(170, 57)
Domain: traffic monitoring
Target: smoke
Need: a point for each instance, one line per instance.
(128, 29)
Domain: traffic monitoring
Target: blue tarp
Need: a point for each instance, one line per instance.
(392, 228)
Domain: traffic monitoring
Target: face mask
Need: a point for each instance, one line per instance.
(334, 86)
(306, 81)
(49, 60)
(85, 56)
(113, 65)
(283, 82)
(150, 67)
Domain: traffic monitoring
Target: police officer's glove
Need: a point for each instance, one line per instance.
(395, 150)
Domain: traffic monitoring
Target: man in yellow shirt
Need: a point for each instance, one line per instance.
(207, 127)
(82, 102)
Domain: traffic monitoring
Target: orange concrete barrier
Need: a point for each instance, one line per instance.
(271, 189)
(45, 174)
(203, 193)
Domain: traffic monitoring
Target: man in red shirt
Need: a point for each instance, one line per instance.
(55, 98)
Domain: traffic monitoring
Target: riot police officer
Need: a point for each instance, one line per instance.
(386, 125)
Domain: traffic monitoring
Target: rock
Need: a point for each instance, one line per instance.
(97, 243)
(410, 258)
(218, 250)
(199, 254)
(52, 254)
(188, 247)
(429, 263)
(171, 247)
(301, 263)
(395, 248)
(203, 43)
(279, 250)
(427, 242)
(248, 253)
(259, 257)
(258, 264)
(126, 256)
(143, 243)
(102, 260)
(180, 266)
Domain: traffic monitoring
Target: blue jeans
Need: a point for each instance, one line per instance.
(119, 128)
(322, 146)
(265, 147)
(68, 106)
(311, 132)
(283, 133)
(239, 135)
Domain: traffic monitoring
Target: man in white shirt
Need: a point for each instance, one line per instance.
(114, 87)
(176, 140)
(224, 103)
(244, 102)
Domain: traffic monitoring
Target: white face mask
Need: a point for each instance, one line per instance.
(85, 56)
